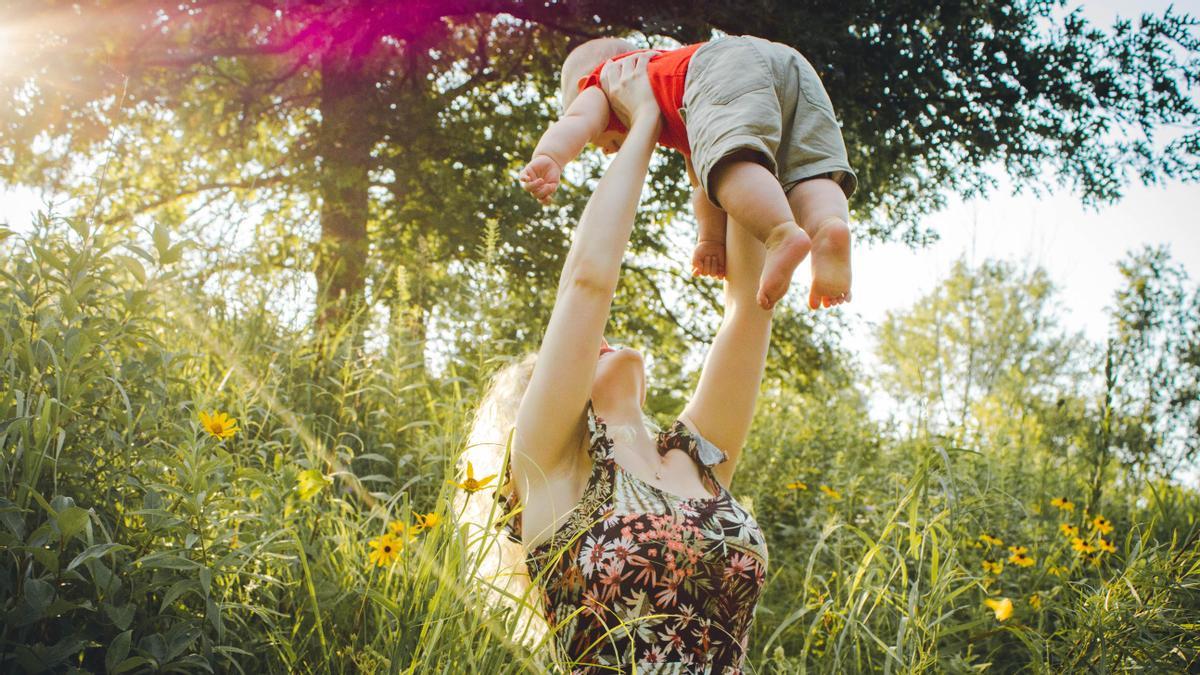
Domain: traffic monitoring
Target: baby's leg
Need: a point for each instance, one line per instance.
(708, 259)
(752, 196)
(819, 205)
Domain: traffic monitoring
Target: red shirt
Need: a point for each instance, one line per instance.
(667, 72)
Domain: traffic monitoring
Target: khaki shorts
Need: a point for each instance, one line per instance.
(747, 93)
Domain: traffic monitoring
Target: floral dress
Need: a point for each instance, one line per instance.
(640, 576)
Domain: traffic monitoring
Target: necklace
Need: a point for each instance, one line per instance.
(626, 434)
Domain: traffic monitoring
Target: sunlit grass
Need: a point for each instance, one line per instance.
(323, 534)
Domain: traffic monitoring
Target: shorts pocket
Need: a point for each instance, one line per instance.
(733, 68)
(811, 87)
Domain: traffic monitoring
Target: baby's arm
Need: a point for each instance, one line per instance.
(708, 258)
(586, 119)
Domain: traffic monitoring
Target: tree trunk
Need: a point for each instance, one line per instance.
(344, 147)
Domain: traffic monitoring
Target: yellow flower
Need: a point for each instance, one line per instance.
(993, 567)
(386, 549)
(1021, 560)
(1082, 546)
(218, 424)
(1063, 503)
(1068, 530)
(831, 493)
(1035, 601)
(1106, 546)
(1058, 570)
(310, 482)
(1002, 607)
(797, 485)
(989, 539)
(402, 532)
(471, 484)
(1018, 550)
(427, 521)
(1102, 525)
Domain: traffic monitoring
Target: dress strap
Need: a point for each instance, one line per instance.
(700, 449)
(600, 445)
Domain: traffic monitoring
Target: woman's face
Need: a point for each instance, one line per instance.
(620, 374)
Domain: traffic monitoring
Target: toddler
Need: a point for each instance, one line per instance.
(760, 140)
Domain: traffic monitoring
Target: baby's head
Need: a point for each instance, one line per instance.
(583, 60)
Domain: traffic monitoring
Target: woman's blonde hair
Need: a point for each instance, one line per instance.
(496, 563)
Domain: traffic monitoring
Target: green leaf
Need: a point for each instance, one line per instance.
(117, 651)
(213, 613)
(133, 267)
(168, 561)
(310, 483)
(80, 225)
(142, 253)
(121, 616)
(177, 589)
(162, 241)
(156, 646)
(131, 663)
(39, 594)
(93, 552)
(206, 581)
(71, 521)
(173, 254)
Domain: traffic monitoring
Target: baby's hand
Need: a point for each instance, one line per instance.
(540, 177)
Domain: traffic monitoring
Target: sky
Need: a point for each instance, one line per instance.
(1079, 248)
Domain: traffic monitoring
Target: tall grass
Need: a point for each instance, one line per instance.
(134, 541)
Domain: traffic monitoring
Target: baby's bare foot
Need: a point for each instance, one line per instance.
(708, 259)
(787, 245)
(830, 264)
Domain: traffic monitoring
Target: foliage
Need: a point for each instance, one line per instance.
(369, 143)
(137, 539)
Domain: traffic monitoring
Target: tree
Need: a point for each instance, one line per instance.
(356, 138)
(1152, 394)
(981, 355)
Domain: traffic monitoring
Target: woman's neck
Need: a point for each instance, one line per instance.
(624, 413)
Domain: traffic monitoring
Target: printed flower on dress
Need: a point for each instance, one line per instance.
(592, 555)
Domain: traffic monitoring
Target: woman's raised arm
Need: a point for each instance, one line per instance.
(722, 407)
(551, 416)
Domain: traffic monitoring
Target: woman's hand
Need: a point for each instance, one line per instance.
(628, 88)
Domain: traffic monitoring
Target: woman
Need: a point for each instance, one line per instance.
(640, 553)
